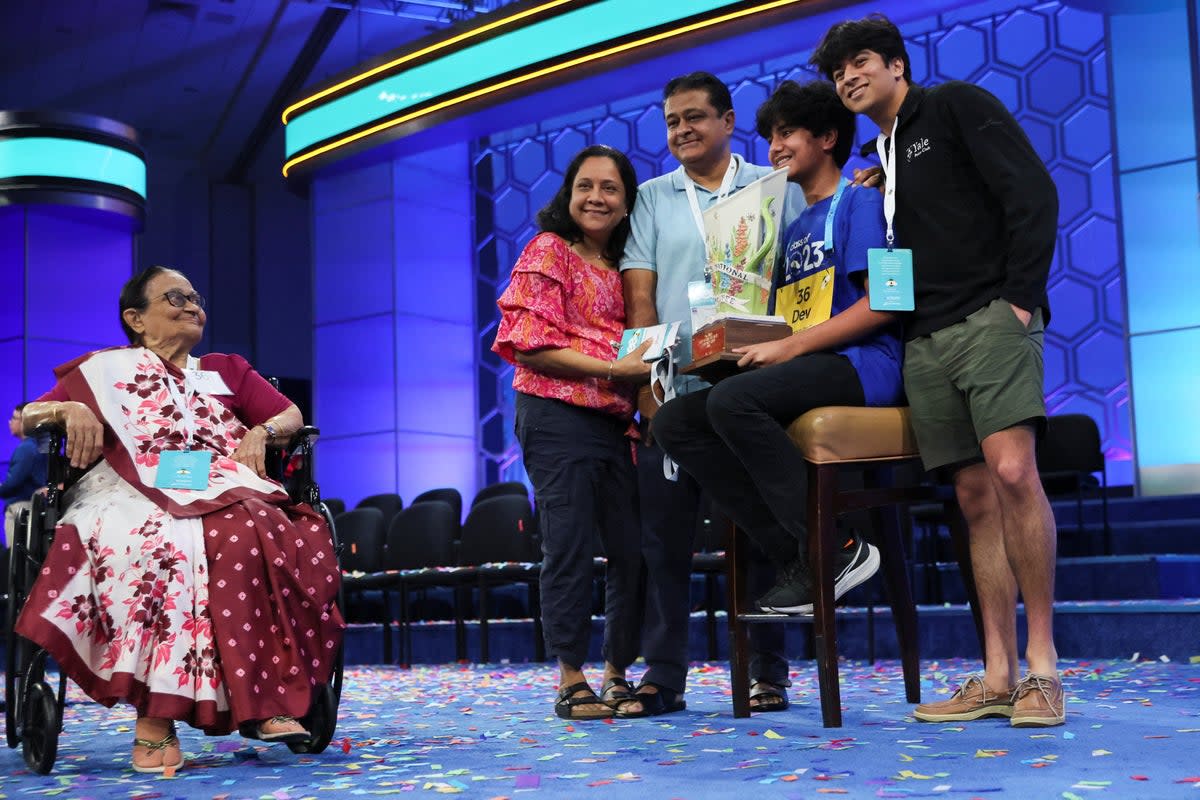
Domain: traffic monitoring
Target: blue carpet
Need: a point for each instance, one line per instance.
(1133, 731)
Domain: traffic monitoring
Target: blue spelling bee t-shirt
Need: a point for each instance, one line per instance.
(814, 283)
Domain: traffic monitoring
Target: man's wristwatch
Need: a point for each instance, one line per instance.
(272, 433)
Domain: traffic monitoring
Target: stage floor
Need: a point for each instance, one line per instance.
(1133, 731)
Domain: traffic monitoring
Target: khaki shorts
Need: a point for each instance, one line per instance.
(972, 379)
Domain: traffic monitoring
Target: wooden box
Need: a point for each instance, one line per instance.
(712, 346)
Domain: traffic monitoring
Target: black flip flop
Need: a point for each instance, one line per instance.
(565, 704)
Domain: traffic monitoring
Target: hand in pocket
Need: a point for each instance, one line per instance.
(1022, 314)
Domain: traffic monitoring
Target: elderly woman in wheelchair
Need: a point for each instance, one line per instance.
(181, 578)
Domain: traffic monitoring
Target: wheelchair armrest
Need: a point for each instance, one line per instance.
(305, 437)
(53, 430)
(298, 451)
(60, 475)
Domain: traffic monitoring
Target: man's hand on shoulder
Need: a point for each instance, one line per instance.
(871, 177)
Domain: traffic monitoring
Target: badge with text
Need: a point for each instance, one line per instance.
(206, 381)
(890, 278)
(806, 302)
(183, 469)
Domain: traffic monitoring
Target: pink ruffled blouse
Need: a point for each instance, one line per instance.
(555, 299)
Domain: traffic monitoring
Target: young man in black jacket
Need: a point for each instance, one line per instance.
(969, 198)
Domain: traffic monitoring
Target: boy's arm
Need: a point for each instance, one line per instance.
(851, 325)
(865, 230)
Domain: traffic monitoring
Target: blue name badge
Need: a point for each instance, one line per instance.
(890, 279)
(182, 469)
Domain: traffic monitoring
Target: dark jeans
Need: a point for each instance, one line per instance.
(733, 440)
(581, 467)
(670, 511)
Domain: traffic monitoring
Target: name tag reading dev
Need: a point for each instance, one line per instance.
(183, 469)
(890, 279)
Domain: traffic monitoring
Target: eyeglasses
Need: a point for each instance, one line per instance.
(180, 300)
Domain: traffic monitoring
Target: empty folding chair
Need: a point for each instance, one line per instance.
(389, 503)
(1068, 456)
(500, 489)
(446, 495)
(361, 533)
(497, 539)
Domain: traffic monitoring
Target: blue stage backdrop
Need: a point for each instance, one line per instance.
(1047, 62)
(62, 269)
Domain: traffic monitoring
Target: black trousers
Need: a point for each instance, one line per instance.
(581, 467)
(670, 511)
(733, 440)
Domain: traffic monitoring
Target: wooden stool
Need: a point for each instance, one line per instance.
(872, 440)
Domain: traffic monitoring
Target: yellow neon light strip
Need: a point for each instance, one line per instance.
(433, 48)
(486, 90)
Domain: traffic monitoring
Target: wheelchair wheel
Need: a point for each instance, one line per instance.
(321, 721)
(40, 727)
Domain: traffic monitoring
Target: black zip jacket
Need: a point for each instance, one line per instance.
(974, 203)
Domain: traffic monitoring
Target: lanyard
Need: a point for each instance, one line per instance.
(694, 202)
(180, 401)
(888, 160)
(833, 204)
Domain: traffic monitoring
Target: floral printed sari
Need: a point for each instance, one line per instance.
(213, 606)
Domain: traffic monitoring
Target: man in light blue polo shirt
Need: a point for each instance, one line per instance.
(664, 253)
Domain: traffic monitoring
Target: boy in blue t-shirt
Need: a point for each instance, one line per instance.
(732, 438)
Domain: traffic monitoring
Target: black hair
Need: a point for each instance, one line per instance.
(17, 408)
(714, 87)
(133, 295)
(556, 216)
(845, 40)
(816, 107)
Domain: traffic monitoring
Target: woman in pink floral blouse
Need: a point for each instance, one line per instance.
(562, 317)
(181, 579)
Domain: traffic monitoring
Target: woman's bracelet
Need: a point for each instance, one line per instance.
(610, 366)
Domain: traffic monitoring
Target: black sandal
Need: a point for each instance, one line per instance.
(618, 693)
(565, 704)
(770, 696)
(663, 701)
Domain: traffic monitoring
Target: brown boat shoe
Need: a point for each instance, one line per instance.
(972, 700)
(1039, 702)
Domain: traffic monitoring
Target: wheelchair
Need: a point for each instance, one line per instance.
(35, 700)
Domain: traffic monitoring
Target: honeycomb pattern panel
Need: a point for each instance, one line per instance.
(1045, 61)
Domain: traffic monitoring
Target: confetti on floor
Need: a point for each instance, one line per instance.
(1133, 731)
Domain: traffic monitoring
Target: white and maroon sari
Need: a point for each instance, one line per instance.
(213, 606)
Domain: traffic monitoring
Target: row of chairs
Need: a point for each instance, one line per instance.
(424, 546)
(390, 504)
